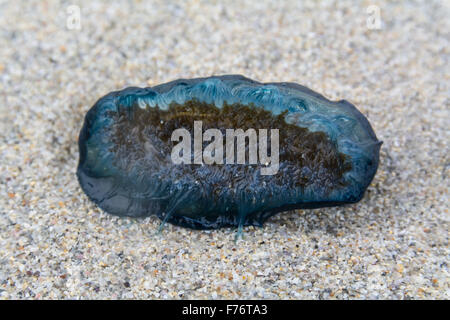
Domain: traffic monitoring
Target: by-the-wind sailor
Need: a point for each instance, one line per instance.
(223, 151)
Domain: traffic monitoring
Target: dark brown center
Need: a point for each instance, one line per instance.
(305, 157)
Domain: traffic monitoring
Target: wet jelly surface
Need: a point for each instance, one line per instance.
(328, 153)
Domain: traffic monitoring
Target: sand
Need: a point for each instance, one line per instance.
(54, 243)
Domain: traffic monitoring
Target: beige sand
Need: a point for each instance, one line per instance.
(54, 243)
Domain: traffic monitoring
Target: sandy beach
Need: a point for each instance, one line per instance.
(54, 65)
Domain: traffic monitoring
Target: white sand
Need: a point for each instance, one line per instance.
(54, 243)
